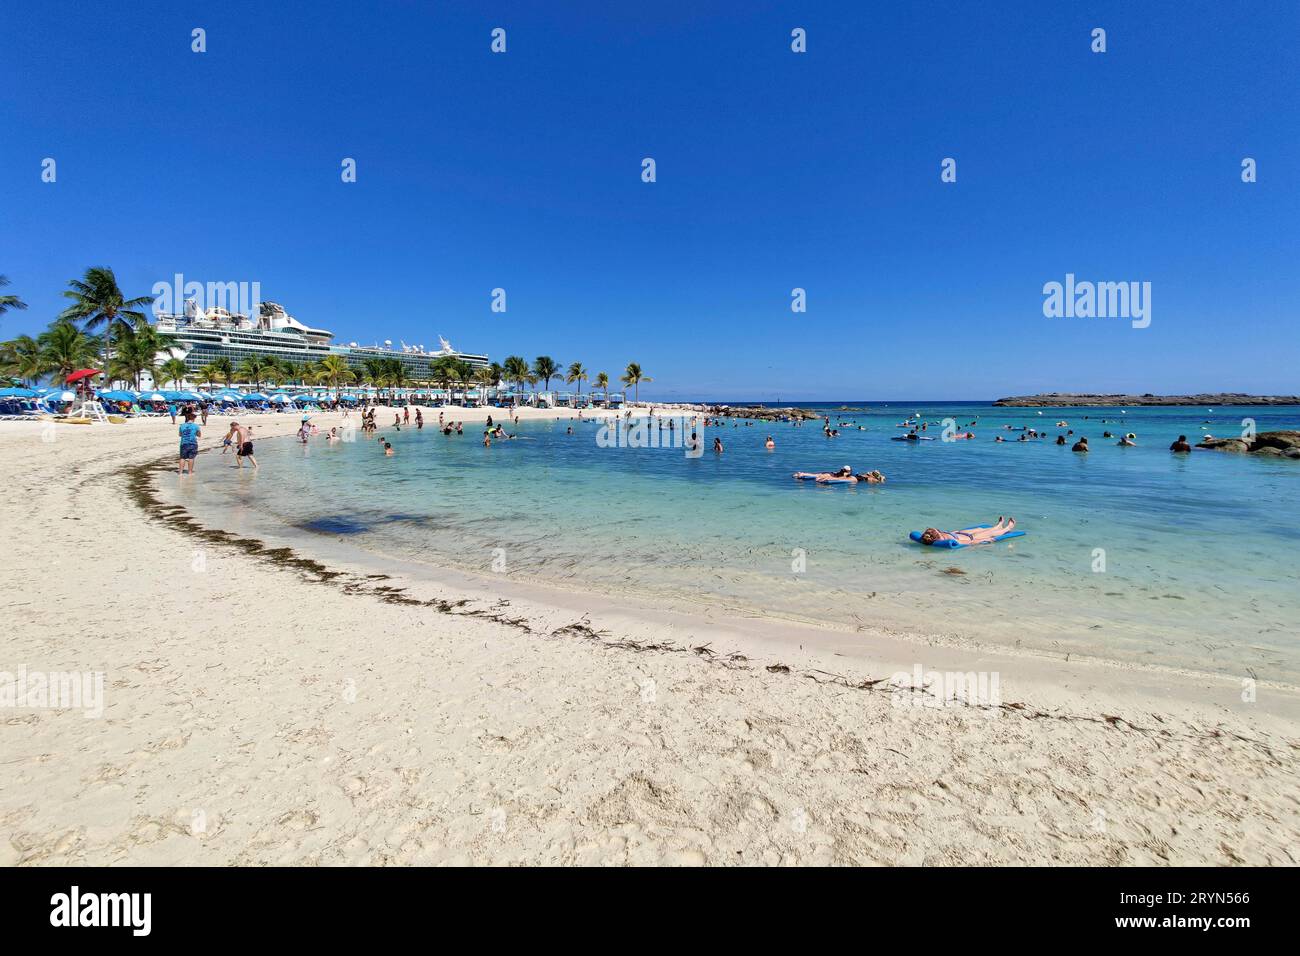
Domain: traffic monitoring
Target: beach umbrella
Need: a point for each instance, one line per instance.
(118, 395)
(77, 376)
(279, 399)
(255, 397)
(152, 397)
(17, 393)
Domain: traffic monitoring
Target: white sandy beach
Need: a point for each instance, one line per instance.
(263, 710)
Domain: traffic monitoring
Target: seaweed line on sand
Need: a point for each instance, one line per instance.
(140, 490)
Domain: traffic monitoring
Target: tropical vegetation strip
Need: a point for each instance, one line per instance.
(101, 328)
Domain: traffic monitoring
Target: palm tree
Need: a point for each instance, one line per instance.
(173, 370)
(97, 300)
(602, 382)
(545, 369)
(394, 374)
(374, 372)
(286, 371)
(225, 369)
(210, 373)
(273, 371)
(515, 370)
(136, 353)
(464, 376)
(66, 349)
(253, 369)
(576, 374)
(8, 302)
(333, 370)
(486, 377)
(634, 376)
(445, 371)
(22, 358)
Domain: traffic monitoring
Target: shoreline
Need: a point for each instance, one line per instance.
(454, 716)
(736, 624)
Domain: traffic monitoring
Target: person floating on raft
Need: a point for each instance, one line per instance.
(976, 535)
(870, 478)
(845, 472)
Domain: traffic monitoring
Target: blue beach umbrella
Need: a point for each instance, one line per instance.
(17, 393)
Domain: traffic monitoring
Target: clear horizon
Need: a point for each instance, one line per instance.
(775, 170)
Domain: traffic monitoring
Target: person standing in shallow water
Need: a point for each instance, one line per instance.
(1181, 445)
(244, 441)
(189, 434)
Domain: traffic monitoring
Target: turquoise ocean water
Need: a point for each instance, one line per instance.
(1132, 554)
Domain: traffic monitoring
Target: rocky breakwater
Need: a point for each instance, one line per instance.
(763, 412)
(1283, 444)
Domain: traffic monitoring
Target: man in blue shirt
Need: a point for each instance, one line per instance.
(189, 443)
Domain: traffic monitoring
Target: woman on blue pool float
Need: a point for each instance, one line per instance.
(970, 535)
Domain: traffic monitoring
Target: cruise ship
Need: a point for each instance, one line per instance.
(201, 336)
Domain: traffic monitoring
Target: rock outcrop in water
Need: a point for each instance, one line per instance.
(1073, 399)
(1283, 444)
(762, 412)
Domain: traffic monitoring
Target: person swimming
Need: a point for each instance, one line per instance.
(769, 444)
(1126, 442)
(970, 535)
(1080, 445)
(1181, 445)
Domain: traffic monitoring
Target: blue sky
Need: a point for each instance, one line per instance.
(775, 170)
